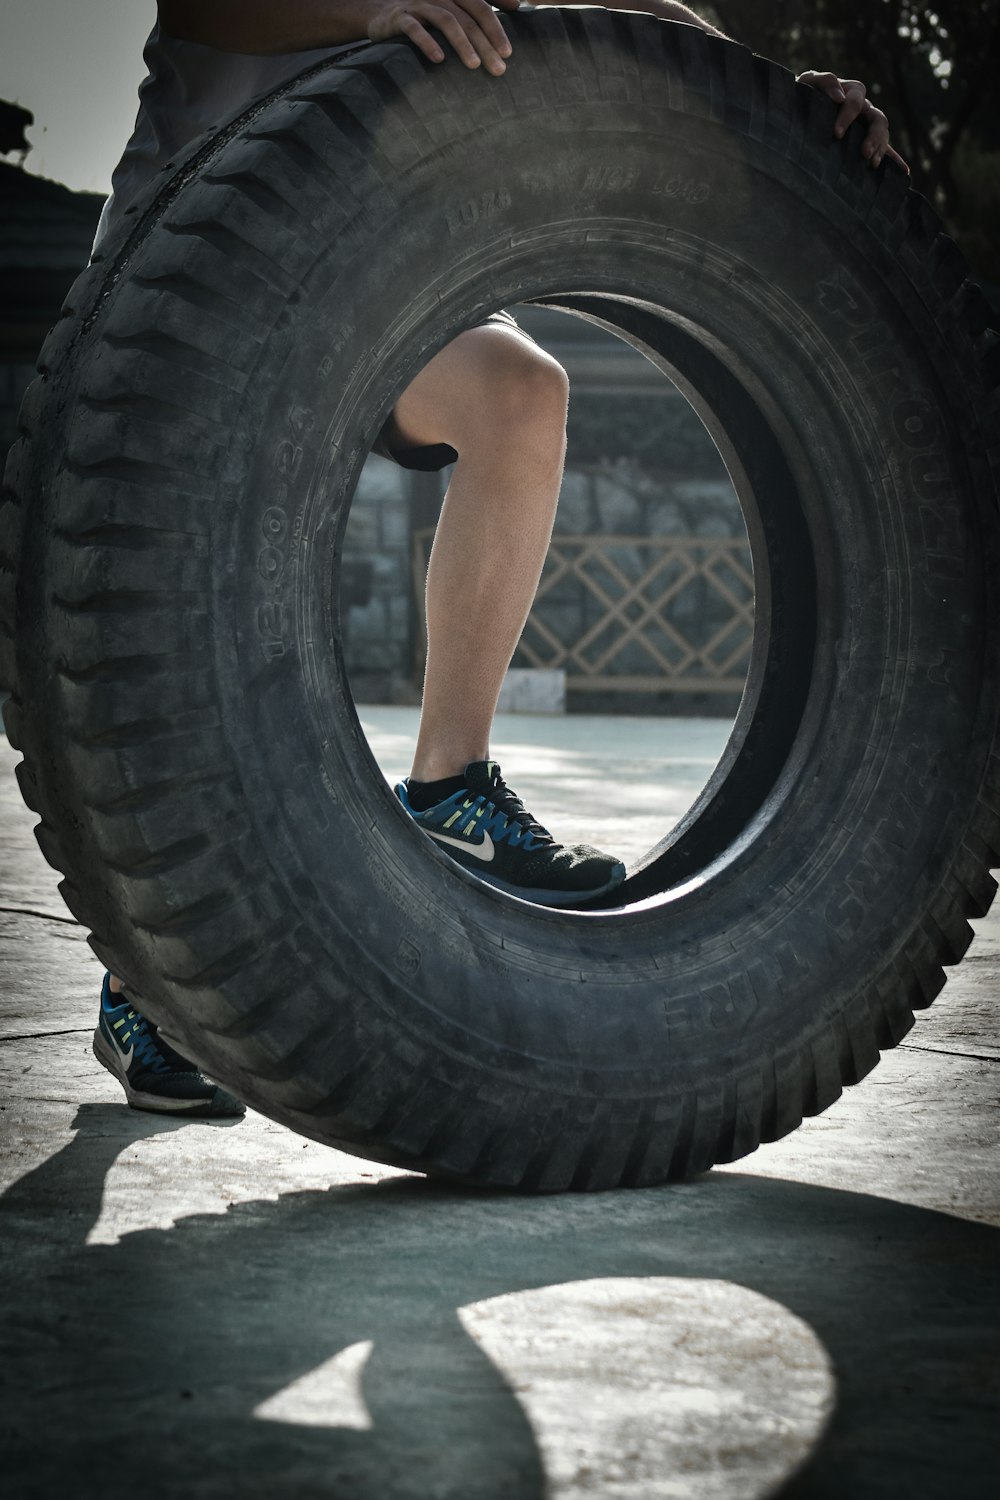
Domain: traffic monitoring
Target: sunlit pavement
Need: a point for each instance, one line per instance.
(218, 1310)
(617, 783)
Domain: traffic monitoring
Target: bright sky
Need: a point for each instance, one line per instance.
(76, 64)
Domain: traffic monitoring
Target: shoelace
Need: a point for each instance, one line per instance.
(507, 802)
(146, 1050)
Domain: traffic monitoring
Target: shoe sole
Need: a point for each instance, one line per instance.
(154, 1104)
(546, 898)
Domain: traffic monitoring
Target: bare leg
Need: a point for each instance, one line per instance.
(501, 403)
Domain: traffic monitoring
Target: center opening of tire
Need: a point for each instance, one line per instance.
(635, 651)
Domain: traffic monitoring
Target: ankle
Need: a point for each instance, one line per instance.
(423, 795)
(438, 764)
(428, 775)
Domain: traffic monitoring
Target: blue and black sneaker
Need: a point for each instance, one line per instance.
(153, 1074)
(486, 829)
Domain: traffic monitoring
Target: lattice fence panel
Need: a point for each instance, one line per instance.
(638, 614)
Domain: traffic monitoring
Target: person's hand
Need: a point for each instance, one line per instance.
(471, 27)
(852, 97)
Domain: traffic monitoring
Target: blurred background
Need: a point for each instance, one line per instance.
(931, 68)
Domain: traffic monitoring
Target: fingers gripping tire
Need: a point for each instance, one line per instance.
(173, 516)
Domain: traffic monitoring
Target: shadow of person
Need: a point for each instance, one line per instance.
(156, 1362)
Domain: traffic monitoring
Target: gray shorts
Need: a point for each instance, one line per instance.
(436, 455)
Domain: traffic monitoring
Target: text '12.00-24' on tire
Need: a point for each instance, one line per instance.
(172, 527)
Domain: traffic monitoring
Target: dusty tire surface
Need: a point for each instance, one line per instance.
(172, 521)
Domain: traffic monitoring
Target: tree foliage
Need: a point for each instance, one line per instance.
(931, 67)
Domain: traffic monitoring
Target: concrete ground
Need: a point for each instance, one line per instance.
(216, 1310)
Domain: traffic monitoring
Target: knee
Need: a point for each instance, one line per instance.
(514, 382)
(488, 384)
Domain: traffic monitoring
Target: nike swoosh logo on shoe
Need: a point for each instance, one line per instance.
(484, 851)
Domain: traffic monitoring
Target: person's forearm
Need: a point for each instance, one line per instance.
(262, 26)
(666, 10)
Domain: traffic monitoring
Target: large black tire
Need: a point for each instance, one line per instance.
(174, 512)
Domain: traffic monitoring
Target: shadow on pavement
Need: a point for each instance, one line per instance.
(139, 1365)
